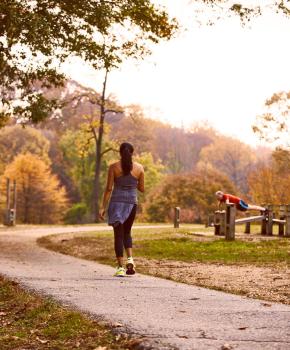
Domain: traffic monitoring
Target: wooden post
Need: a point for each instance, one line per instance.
(230, 222)
(264, 224)
(248, 226)
(219, 223)
(176, 217)
(269, 225)
(10, 213)
(282, 212)
(7, 211)
(223, 222)
(7, 194)
(14, 203)
(287, 225)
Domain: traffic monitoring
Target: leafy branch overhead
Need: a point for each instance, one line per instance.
(245, 9)
(36, 37)
(273, 126)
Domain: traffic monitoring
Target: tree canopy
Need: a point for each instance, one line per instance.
(15, 140)
(36, 37)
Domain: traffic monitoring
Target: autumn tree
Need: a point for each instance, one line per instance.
(40, 199)
(16, 139)
(193, 192)
(36, 37)
(232, 158)
(273, 125)
(270, 184)
(78, 161)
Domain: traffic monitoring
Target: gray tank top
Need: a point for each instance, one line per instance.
(125, 189)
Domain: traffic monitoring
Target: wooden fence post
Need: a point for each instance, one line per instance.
(248, 226)
(10, 213)
(287, 225)
(7, 211)
(282, 216)
(219, 222)
(264, 224)
(230, 221)
(176, 217)
(13, 211)
(269, 225)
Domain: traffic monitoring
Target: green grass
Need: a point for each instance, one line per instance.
(178, 245)
(218, 251)
(30, 322)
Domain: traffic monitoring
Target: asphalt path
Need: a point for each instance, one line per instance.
(166, 314)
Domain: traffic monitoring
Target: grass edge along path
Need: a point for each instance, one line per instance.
(265, 277)
(30, 321)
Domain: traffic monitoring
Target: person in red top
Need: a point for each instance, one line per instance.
(239, 203)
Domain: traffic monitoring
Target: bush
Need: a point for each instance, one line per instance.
(77, 214)
(194, 193)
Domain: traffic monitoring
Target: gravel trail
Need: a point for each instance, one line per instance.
(167, 314)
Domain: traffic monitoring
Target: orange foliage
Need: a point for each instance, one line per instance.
(40, 199)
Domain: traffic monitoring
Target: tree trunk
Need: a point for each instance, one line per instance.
(99, 143)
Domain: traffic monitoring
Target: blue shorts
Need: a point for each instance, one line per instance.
(242, 206)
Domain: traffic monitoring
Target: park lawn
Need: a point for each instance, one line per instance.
(28, 321)
(176, 244)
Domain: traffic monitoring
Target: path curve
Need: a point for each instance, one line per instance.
(166, 313)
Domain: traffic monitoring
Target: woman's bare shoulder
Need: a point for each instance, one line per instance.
(138, 166)
(115, 164)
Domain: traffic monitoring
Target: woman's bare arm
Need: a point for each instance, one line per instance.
(141, 181)
(108, 190)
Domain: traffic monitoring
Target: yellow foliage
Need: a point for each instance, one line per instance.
(40, 199)
(269, 186)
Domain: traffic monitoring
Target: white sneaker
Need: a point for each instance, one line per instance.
(130, 266)
(120, 272)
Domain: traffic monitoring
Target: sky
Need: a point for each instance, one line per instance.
(219, 74)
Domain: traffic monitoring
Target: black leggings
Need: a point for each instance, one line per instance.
(122, 234)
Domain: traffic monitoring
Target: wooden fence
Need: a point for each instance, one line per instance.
(225, 221)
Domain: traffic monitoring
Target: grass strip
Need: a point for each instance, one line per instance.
(28, 321)
(177, 245)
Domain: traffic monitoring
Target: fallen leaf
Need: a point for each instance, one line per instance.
(226, 347)
(42, 341)
(116, 325)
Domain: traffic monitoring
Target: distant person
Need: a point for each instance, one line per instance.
(239, 203)
(125, 177)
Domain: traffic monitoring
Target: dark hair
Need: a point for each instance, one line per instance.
(126, 152)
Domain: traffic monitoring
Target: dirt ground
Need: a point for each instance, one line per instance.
(270, 284)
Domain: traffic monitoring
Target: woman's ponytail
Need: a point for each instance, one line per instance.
(126, 152)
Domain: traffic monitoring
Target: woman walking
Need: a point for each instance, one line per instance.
(125, 177)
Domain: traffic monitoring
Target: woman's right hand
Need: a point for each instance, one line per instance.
(102, 214)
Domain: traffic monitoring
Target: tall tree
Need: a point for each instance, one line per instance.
(36, 37)
(40, 198)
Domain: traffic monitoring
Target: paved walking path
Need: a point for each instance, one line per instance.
(168, 314)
